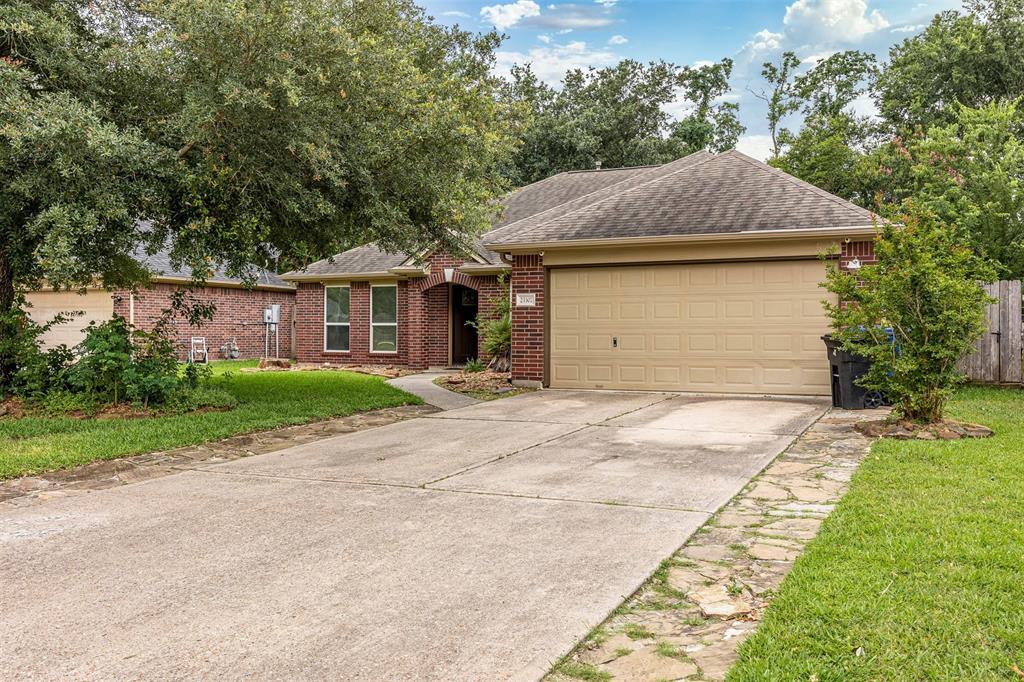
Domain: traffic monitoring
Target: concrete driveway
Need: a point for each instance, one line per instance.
(479, 543)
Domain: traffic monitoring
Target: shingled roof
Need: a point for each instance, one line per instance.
(159, 264)
(527, 201)
(699, 194)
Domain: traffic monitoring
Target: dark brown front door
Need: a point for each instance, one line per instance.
(464, 309)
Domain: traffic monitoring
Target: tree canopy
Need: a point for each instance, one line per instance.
(947, 135)
(616, 116)
(240, 129)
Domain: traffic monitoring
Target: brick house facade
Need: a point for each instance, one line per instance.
(424, 315)
(238, 316)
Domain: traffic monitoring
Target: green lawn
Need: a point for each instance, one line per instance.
(919, 572)
(265, 400)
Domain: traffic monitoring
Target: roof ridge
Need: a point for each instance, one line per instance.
(793, 180)
(609, 189)
(707, 156)
(616, 168)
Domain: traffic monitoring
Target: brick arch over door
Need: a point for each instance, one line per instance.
(429, 315)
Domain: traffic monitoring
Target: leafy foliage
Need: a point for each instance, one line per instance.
(781, 99)
(30, 371)
(496, 330)
(243, 131)
(616, 117)
(926, 289)
(970, 58)
(473, 366)
(969, 172)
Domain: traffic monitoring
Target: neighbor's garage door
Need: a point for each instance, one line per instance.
(751, 327)
(96, 304)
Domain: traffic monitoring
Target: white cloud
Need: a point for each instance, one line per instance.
(701, 63)
(544, 38)
(757, 146)
(573, 15)
(907, 29)
(455, 13)
(764, 41)
(552, 61)
(507, 16)
(606, 3)
(618, 40)
(833, 19)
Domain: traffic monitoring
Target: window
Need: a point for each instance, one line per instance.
(336, 326)
(384, 319)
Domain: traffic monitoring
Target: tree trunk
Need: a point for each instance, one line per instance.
(6, 284)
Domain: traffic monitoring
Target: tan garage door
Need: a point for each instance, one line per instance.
(96, 304)
(750, 327)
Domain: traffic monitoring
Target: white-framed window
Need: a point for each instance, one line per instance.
(336, 319)
(384, 318)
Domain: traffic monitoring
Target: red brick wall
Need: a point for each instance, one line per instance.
(309, 327)
(863, 251)
(424, 319)
(528, 323)
(238, 315)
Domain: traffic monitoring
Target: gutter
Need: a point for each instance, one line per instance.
(748, 235)
(224, 285)
(399, 272)
(484, 268)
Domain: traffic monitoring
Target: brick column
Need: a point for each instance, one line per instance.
(416, 327)
(528, 322)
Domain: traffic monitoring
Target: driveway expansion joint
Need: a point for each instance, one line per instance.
(714, 589)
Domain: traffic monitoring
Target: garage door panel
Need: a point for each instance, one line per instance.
(96, 306)
(735, 327)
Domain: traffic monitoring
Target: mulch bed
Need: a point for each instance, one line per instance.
(484, 384)
(905, 430)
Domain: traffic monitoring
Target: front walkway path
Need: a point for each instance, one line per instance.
(423, 385)
(687, 621)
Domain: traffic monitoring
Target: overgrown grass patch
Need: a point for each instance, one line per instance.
(917, 573)
(264, 400)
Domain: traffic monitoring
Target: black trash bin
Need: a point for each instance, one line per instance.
(845, 368)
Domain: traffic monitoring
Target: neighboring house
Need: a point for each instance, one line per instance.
(698, 275)
(238, 317)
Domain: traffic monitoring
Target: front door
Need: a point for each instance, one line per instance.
(464, 309)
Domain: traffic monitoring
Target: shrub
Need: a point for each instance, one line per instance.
(927, 289)
(496, 331)
(473, 365)
(106, 356)
(27, 370)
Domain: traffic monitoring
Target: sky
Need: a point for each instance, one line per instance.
(555, 37)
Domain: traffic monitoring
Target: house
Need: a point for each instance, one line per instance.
(697, 275)
(238, 318)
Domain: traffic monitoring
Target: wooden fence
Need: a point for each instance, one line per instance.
(997, 358)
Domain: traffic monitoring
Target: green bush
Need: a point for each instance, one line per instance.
(27, 371)
(926, 288)
(496, 331)
(106, 356)
(473, 365)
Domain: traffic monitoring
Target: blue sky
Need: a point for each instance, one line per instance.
(556, 36)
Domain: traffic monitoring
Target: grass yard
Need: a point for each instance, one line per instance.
(265, 400)
(917, 574)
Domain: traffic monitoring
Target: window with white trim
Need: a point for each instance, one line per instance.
(336, 320)
(384, 318)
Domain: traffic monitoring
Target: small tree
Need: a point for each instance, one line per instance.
(926, 289)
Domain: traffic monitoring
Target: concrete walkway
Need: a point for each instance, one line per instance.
(474, 544)
(423, 385)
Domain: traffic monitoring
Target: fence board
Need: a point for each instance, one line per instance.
(997, 355)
